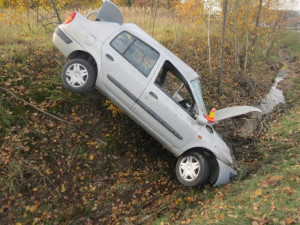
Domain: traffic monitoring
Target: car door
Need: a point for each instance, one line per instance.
(126, 64)
(166, 106)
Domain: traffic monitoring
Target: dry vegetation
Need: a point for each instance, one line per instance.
(55, 173)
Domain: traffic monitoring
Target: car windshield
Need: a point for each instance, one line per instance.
(197, 91)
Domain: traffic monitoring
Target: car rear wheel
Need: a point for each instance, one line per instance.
(192, 169)
(78, 75)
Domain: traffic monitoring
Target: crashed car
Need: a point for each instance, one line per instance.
(152, 86)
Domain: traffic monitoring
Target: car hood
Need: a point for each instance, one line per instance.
(234, 111)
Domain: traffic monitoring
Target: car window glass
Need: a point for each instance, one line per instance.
(175, 86)
(122, 41)
(141, 56)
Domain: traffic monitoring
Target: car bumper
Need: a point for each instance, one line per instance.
(226, 174)
(63, 36)
(64, 42)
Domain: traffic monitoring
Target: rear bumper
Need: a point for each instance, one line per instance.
(64, 42)
(62, 35)
(226, 174)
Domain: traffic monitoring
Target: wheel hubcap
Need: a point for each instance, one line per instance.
(76, 75)
(189, 168)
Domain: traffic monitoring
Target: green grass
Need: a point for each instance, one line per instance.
(290, 39)
(270, 196)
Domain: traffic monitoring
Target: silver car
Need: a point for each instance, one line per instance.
(153, 86)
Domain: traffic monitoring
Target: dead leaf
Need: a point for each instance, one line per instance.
(290, 221)
(77, 120)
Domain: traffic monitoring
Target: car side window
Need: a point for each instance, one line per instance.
(139, 54)
(122, 42)
(175, 86)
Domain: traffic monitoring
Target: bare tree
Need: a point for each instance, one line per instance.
(236, 44)
(225, 3)
(256, 35)
(56, 11)
(247, 40)
(155, 14)
(208, 37)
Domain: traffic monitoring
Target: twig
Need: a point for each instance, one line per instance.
(147, 217)
(52, 116)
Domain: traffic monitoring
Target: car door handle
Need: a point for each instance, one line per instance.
(153, 95)
(110, 57)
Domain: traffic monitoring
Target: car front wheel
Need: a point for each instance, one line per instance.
(78, 75)
(192, 169)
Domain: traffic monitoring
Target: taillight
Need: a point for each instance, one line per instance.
(70, 18)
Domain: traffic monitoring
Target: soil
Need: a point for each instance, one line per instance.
(131, 180)
(254, 125)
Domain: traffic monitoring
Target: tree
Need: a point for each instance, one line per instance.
(255, 34)
(56, 11)
(225, 3)
(208, 35)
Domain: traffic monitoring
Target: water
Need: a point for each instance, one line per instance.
(275, 96)
(272, 99)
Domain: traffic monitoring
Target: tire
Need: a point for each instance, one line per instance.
(192, 169)
(78, 75)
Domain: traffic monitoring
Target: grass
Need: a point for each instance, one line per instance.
(290, 39)
(270, 195)
(54, 173)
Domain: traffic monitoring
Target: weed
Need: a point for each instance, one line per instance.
(274, 58)
(5, 119)
(12, 176)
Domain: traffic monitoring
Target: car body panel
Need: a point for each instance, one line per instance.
(234, 111)
(207, 138)
(110, 12)
(167, 118)
(226, 173)
(116, 69)
(65, 47)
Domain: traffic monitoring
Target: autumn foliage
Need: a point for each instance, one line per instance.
(53, 172)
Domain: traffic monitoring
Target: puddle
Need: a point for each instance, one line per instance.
(275, 96)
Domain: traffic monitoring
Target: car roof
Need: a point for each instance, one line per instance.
(186, 70)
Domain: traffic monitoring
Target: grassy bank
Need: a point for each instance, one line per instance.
(269, 196)
(270, 193)
(54, 173)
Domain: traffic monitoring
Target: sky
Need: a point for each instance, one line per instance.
(297, 5)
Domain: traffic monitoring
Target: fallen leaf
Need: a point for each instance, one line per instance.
(290, 221)
(91, 157)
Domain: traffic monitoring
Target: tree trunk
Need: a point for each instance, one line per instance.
(155, 13)
(247, 41)
(236, 44)
(208, 38)
(56, 12)
(37, 12)
(222, 46)
(256, 35)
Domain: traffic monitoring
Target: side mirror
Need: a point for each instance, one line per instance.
(201, 120)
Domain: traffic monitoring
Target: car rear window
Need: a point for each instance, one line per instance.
(140, 55)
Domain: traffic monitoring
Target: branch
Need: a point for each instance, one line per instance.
(56, 12)
(52, 116)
